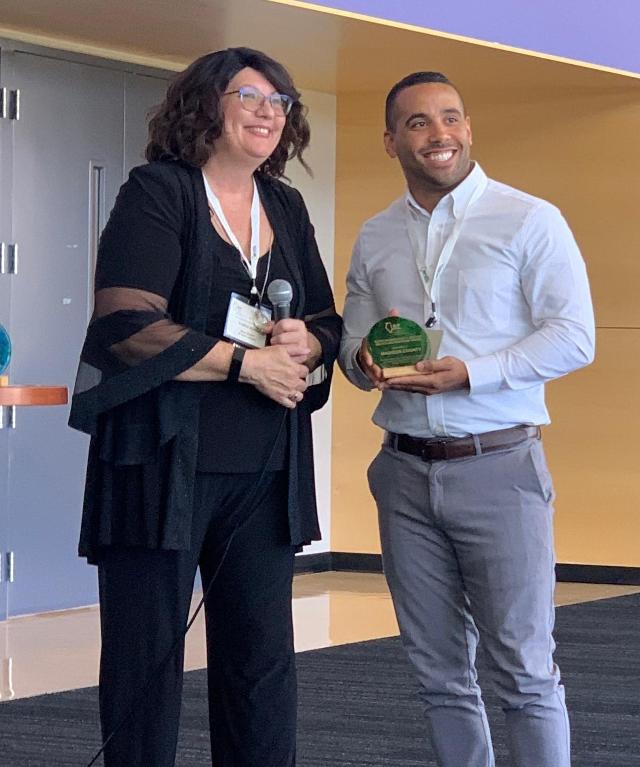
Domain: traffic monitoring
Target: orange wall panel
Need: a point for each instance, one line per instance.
(594, 455)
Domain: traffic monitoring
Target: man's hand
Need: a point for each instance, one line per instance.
(432, 377)
(365, 360)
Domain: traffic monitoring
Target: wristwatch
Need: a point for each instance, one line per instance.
(237, 356)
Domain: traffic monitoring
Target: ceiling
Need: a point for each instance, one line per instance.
(324, 51)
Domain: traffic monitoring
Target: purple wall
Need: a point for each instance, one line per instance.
(599, 32)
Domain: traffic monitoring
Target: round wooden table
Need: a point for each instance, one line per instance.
(12, 395)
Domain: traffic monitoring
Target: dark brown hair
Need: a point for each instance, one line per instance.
(190, 119)
(416, 78)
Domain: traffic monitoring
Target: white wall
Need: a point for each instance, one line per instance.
(319, 194)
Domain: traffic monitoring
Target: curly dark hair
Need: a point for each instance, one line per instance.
(190, 119)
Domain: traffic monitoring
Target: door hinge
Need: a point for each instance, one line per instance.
(7, 416)
(9, 104)
(7, 572)
(10, 567)
(8, 258)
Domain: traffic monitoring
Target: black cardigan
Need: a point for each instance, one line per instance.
(143, 423)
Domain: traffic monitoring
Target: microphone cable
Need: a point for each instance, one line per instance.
(227, 545)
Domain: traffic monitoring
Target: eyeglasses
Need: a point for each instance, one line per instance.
(252, 99)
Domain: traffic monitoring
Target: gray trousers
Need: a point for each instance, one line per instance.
(467, 547)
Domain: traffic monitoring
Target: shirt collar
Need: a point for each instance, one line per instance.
(415, 206)
(460, 195)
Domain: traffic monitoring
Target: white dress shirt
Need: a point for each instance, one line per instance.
(512, 300)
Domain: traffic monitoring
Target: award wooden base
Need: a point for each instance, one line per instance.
(399, 371)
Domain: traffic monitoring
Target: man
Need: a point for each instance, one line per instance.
(463, 493)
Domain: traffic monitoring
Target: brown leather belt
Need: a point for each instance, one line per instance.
(444, 448)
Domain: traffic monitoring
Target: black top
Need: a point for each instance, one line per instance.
(144, 424)
(239, 424)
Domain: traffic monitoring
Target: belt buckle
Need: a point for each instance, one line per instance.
(440, 446)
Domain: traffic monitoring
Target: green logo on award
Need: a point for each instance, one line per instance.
(397, 342)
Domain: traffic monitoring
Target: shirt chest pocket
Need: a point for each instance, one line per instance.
(485, 298)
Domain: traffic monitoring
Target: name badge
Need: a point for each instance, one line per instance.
(245, 323)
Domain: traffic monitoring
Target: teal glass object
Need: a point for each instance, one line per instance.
(5, 350)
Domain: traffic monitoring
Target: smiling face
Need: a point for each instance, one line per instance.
(249, 137)
(431, 137)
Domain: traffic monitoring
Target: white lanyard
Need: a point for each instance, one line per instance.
(432, 293)
(250, 264)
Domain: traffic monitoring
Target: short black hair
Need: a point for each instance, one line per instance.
(415, 78)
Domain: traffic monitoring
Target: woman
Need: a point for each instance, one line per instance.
(201, 448)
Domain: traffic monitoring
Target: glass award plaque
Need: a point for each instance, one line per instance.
(5, 350)
(397, 344)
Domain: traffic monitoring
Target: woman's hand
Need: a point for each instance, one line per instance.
(293, 335)
(274, 373)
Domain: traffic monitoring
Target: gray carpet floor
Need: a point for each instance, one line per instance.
(358, 704)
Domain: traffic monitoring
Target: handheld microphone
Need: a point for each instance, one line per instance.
(280, 294)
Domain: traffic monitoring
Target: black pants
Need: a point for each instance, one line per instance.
(144, 600)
